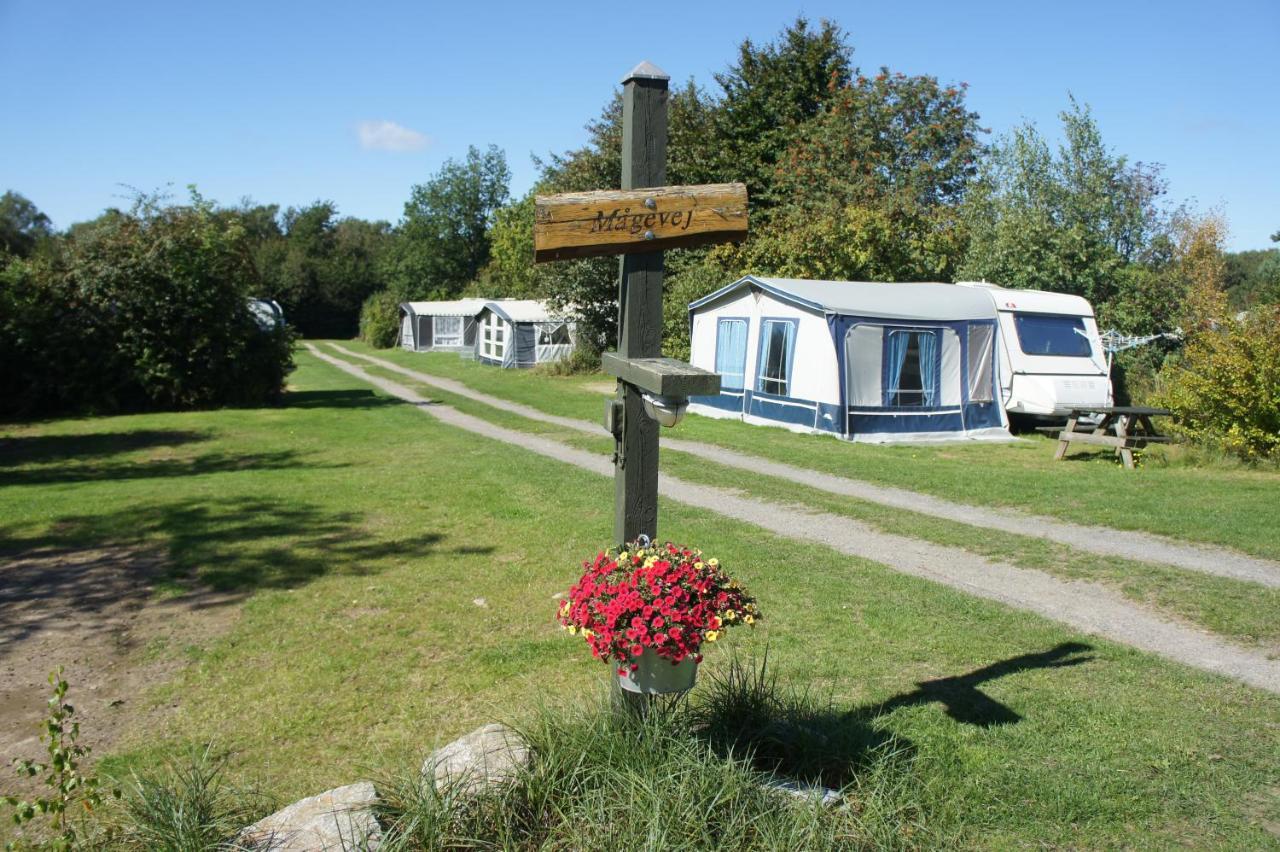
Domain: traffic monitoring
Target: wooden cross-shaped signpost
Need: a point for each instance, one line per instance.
(638, 222)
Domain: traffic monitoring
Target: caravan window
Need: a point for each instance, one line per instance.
(493, 342)
(911, 368)
(448, 331)
(1045, 334)
(777, 339)
(731, 353)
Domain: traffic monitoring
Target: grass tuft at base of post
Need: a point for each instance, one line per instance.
(690, 775)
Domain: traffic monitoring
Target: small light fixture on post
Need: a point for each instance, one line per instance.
(665, 385)
(667, 410)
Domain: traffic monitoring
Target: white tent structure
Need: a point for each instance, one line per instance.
(439, 326)
(522, 333)
(861, 361)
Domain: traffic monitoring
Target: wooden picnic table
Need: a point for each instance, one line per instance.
(1123, 427)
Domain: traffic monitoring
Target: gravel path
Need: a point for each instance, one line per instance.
(1098, 540)
(1084, 606)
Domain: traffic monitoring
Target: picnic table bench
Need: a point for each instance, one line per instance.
(1123, 427)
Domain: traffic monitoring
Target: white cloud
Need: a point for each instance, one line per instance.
(389, 136)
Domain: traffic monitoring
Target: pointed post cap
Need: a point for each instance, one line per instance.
(645, 71)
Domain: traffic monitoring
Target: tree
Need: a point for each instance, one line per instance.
(443, 242)
(768, 95)
(510, 271)
(22, 225)
(1069, 222)
(869, 190)
(319, 267)
(1253, 277)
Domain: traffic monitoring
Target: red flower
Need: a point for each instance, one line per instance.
(665, 606)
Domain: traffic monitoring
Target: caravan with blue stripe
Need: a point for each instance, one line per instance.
(858, 360)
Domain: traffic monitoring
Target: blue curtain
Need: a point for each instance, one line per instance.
(731, 353)
(929, 367)
(895, 356)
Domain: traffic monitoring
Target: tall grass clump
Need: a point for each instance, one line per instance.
(186, 805)
(688, 776)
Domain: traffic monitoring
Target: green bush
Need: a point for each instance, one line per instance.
(1225, 389)
(380, 320)
(42, 354)
(149, 310)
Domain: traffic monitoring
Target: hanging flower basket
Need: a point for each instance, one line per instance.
(648, 609)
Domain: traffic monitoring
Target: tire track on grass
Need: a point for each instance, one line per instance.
(1088, 607)
(1098, 540)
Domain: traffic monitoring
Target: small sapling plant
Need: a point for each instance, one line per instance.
(68, 785)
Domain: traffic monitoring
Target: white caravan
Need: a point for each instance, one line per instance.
(1051, 357)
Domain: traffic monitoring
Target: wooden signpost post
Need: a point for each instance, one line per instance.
(638, 223)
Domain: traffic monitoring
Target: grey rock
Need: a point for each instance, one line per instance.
(489, 755)
(340, 820)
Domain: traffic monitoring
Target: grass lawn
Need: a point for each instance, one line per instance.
(1165, 496)
(398, 579)
(1242, 612)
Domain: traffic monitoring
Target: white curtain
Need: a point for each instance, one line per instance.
(731, 353)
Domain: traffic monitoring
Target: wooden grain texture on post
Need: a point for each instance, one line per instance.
(585, 224)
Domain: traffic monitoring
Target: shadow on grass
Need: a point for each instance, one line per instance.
(46, 449)
(84, 564)
(745, 712)
(788, 732)
(348, 398)
(121, 469)
(964, 702)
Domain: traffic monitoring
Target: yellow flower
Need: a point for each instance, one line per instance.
(749, 620)
(622, 556)
(712, 635)
(730, 615)
(587, 633)
(572, 630)
(713, 562)
(698, 565)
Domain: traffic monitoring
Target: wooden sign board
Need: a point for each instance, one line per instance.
(586, 224)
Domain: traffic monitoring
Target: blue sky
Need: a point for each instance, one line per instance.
(356, 102)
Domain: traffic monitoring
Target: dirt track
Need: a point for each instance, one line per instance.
(1100, 541)
(1084, 606)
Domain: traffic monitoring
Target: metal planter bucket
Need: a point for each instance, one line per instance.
(656, 675)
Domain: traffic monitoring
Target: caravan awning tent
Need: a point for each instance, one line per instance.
(439, 326)
(864, 361)
(522, 333)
